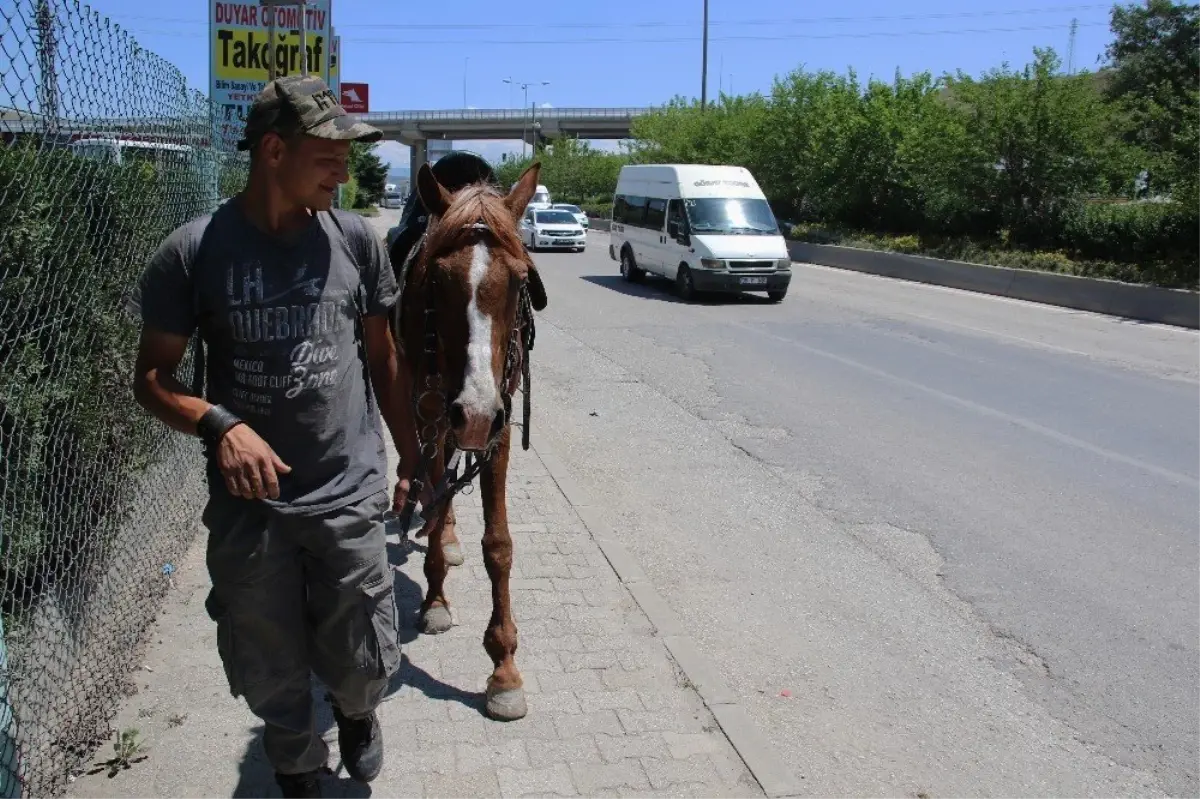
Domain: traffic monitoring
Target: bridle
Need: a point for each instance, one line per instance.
(432, 394)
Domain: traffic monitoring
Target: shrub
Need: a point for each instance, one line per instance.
(350, 193)
(74, 236)
(905, 244)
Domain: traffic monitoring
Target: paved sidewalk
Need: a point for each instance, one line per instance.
(610, 714)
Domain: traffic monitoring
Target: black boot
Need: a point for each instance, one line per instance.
(307, 784)
(361, 744)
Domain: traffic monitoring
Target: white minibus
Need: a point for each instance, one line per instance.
(707, 228)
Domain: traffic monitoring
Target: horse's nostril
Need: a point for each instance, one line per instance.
(458, 417)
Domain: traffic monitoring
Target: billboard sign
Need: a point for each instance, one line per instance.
(240, 49)
(355, 98)
(333, 78)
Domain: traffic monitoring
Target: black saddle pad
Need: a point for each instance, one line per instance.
(453, 170)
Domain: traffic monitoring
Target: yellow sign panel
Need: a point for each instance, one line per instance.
(240, 54)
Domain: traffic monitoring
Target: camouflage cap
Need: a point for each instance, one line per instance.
(303, 104)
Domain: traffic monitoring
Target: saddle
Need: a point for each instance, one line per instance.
(453, 170)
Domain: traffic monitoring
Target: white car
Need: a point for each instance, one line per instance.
(552, 229)
(573, 210)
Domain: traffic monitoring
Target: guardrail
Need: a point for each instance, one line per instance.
(504, 114)
(1130, 300)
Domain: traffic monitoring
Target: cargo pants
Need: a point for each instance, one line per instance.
(294, 595)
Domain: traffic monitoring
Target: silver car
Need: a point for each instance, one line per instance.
(573, 210)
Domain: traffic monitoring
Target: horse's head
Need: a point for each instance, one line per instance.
(473, 275)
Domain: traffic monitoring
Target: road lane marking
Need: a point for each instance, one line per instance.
(1034, 427)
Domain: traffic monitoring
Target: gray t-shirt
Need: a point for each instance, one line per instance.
(279, 321)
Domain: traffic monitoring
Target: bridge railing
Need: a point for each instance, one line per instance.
(503, 114)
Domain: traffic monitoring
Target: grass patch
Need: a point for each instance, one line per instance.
(369, 211)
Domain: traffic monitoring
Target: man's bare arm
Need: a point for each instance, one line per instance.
(154, 384)
(393, 389)
(250, 467)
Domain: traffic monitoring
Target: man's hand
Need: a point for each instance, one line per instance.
(249, 465)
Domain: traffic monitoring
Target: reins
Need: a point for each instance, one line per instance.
(432, 392)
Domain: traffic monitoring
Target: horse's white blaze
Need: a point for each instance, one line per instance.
(479, 396)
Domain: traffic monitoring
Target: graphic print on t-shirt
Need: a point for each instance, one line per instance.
(287, 333)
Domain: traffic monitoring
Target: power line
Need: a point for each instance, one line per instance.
(693, 39)
(676, 40)
(748, 22)
(672, 24)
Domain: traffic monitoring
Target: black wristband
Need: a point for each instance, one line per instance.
(214, 424)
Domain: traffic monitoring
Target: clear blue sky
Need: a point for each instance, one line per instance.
(634, 52)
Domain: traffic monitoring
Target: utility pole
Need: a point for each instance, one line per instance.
(704, 63)
(466, 65)
(303, 37)
(271, 7)
(273, 45)
(47, 52)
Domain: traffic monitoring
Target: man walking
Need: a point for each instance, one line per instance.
(291, 301)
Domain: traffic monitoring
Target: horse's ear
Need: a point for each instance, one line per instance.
(523, 192)
(433, 195)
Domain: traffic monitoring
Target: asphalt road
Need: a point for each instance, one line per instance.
(938, 542)
(960, 531)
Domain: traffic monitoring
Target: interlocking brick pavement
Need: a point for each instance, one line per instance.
(609, 712)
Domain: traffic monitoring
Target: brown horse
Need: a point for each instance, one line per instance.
(465, 322)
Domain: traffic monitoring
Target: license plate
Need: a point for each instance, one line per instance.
(753, 281)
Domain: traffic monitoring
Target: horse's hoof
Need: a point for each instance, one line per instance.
(453, 554)
(508, 705)
(436, 620)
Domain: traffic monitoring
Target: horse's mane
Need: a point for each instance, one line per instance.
(479, 202)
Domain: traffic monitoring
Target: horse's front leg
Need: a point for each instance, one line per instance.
(435, 610)
(505, 689)
(451, 546)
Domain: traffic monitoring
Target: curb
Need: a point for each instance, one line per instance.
(1145, 303)
(756, 752)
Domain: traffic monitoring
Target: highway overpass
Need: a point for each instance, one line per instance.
(534, 125)
(414, 128)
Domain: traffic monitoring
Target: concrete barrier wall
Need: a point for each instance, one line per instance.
(1144, 303)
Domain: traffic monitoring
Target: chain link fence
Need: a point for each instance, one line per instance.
(104, 150)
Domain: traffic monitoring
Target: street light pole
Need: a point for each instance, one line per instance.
(525, 104)
(704, 63)
(466, 65)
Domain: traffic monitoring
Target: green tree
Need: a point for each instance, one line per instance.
(369, 172)
(1044, 136)
(1155, 83)
(572, 169)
